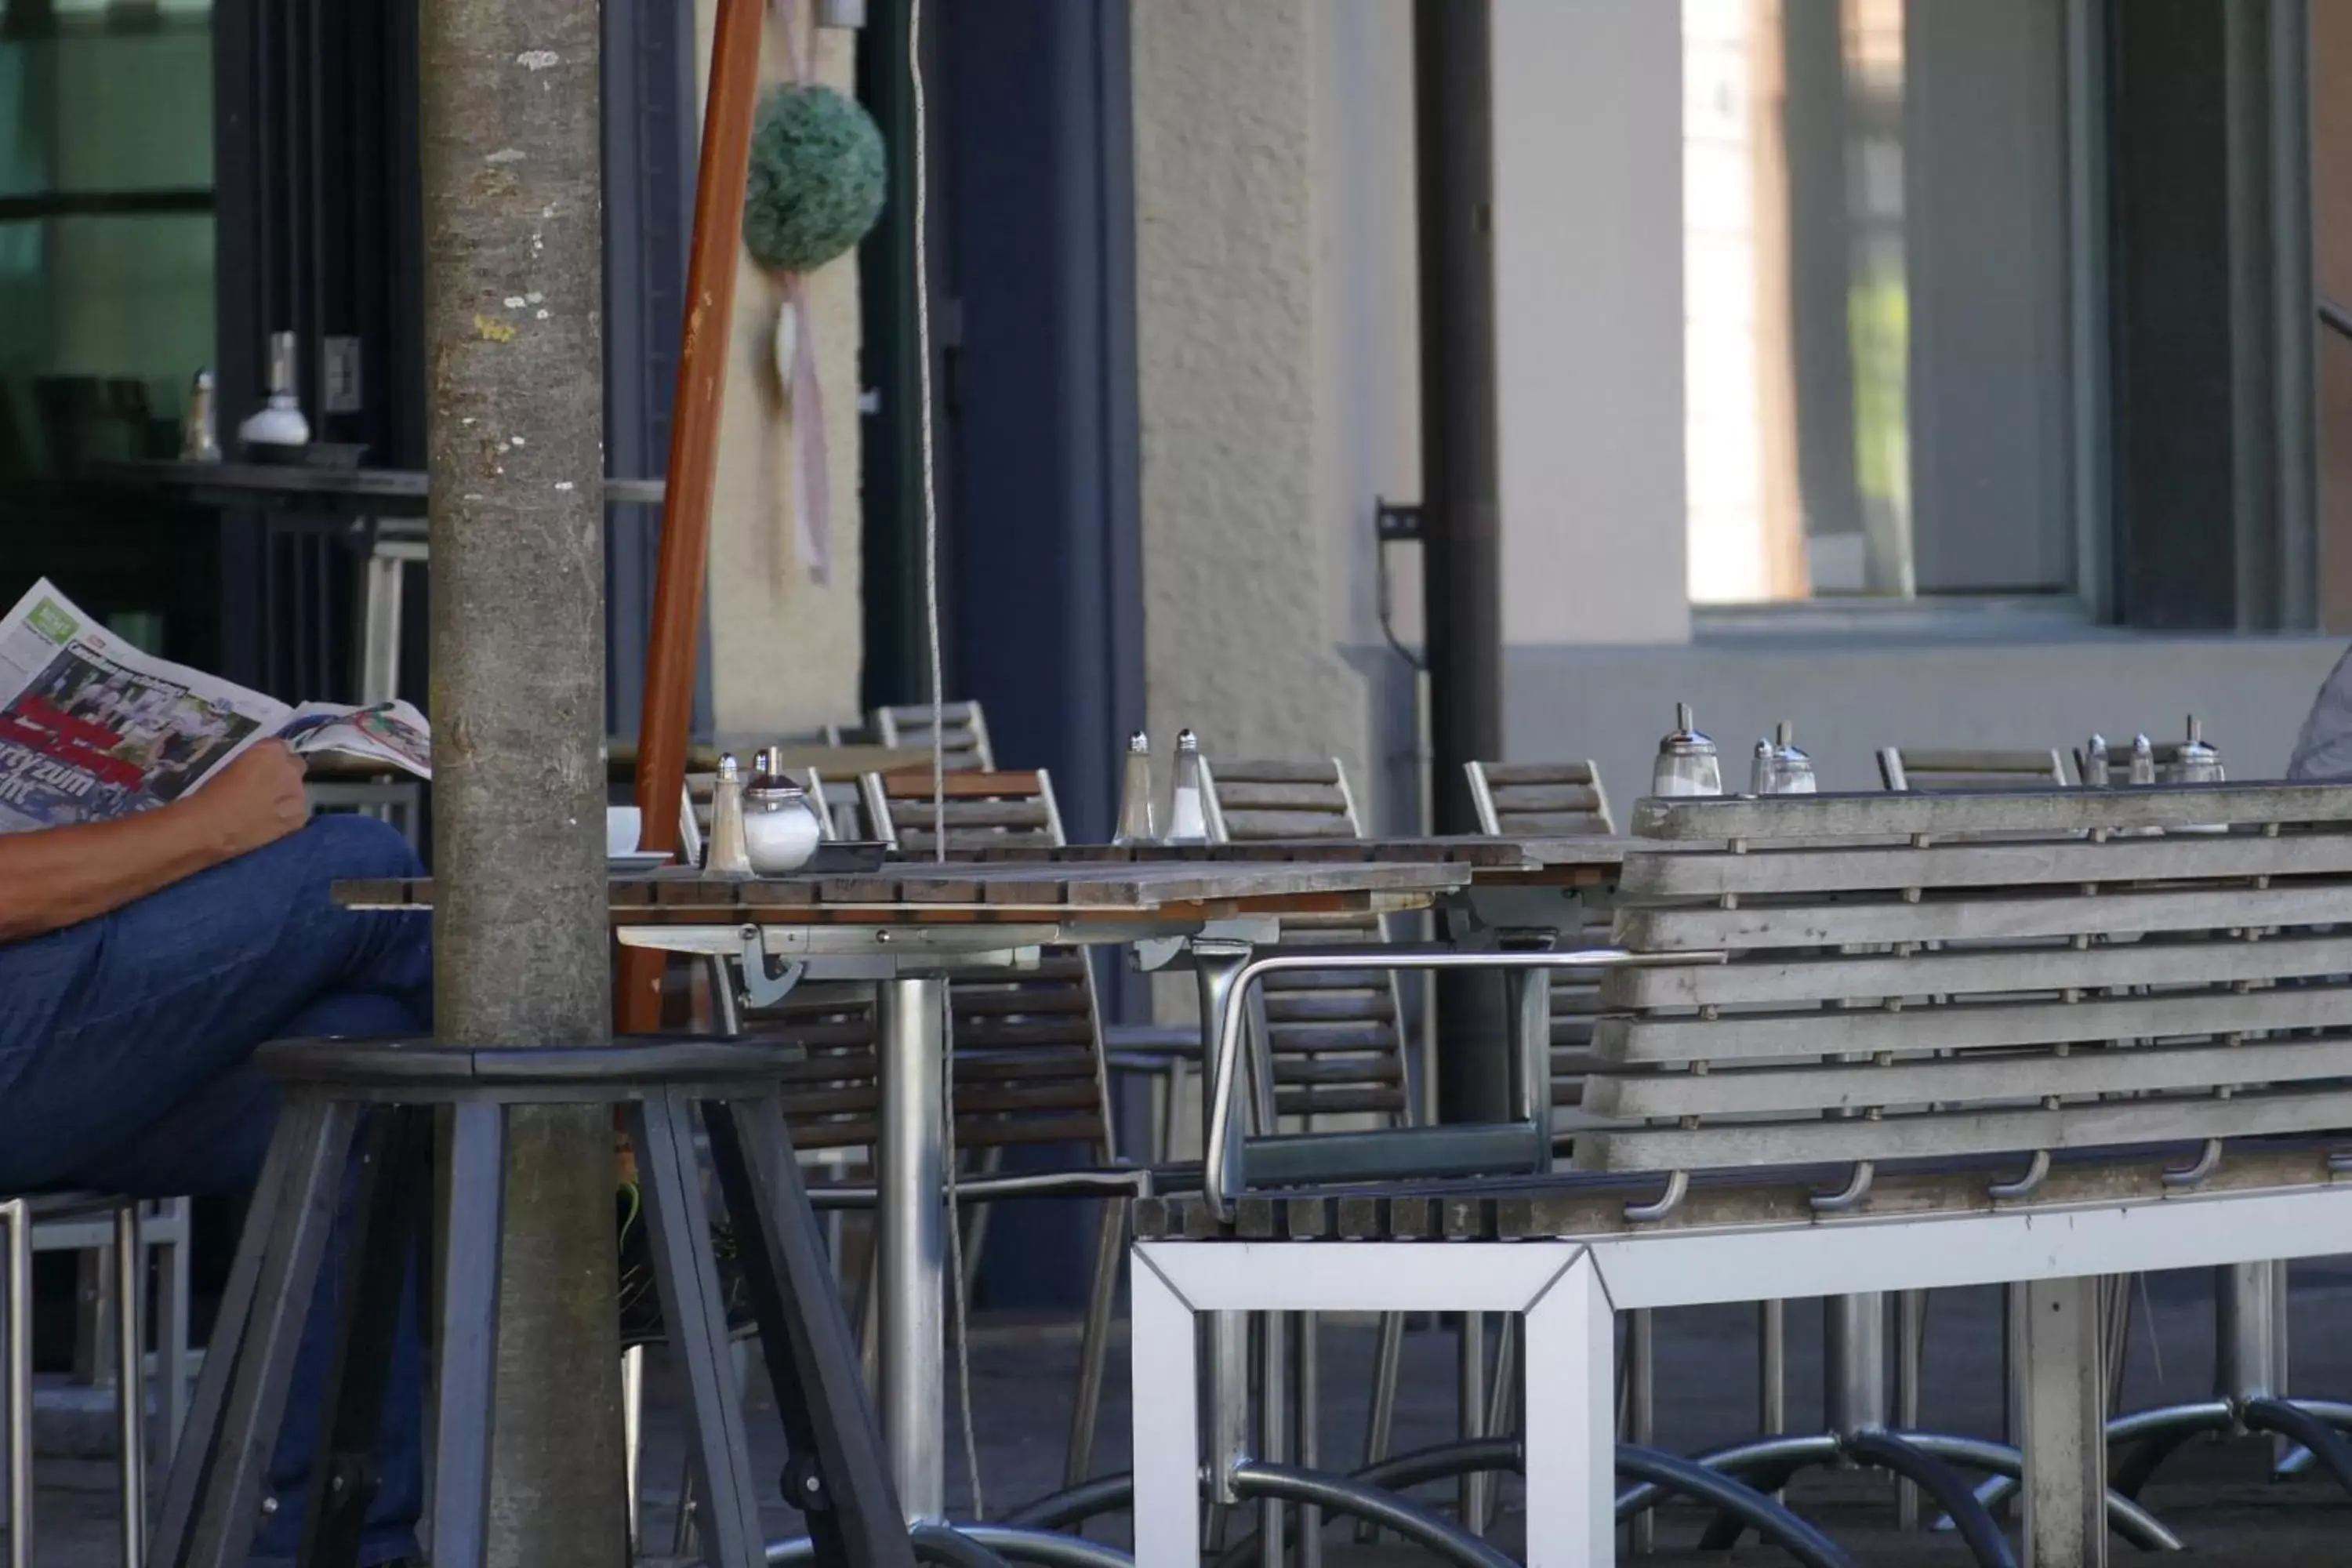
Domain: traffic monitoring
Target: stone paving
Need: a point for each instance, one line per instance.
(2217, 1496)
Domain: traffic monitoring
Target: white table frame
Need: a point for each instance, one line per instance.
(1570, 1291)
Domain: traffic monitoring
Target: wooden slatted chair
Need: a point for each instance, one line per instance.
(1907, 768)
(1028, 1058)
(964, 730)
(1335, 1043)
(1547, 799)
(1329, 1043)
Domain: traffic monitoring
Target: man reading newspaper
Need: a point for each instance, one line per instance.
(165, 909)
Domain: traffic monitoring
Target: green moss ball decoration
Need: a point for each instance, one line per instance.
(817, 178)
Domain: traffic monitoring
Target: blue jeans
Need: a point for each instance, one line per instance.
(125, 1065)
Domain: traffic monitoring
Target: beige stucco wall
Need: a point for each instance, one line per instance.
(785, 652)
(1278, 354)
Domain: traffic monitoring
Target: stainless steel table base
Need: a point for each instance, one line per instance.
(911, 1232)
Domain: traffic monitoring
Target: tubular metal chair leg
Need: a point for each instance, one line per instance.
(1094, 1340)
(1273, 1429)
(633, 1435)
(1910, 1366)
(1172, 1131)
(1475, 1487)
(1308, 1373)
(1380, 1429)
(1502, 1395)
(17, 1215)
(171, 1265)
(976, 1223)
(1641, 1417)
(130, 1381)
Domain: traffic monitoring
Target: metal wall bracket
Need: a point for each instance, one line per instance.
(1397, 522)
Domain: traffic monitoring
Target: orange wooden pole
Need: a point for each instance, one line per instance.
(678, 584)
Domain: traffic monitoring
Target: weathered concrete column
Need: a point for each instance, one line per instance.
(513, 295)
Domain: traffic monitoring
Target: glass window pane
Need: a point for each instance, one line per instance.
(1875, 212)
(107, 272)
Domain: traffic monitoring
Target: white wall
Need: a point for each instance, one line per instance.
(1588, 235)
(1277, 357)
(785, 651)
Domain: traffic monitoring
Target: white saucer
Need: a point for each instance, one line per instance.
(637, 860)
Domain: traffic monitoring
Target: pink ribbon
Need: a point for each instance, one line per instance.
(812, 526)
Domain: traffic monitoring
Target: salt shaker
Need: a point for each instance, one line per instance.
(1780, 768)
(2097, 774)
(1135, 824)
(1188, 812)
(730, 855)
(2143, 760)
(1688, 762)
(200, 425)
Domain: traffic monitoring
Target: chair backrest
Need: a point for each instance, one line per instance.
(1028, 1050)
(983, 811)
(963, 732)
(1251, 801)
(1976, 975)
(1907, 768)
(1528, 799)
(1335, 1041)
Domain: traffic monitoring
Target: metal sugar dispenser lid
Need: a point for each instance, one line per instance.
(1780, 768)
(2198, 761)
(1688, 763)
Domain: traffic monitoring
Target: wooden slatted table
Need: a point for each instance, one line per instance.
(906, 928)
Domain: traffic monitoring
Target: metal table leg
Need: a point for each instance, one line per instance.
(2065, 1427)
(911, 1221)
(1216, 964)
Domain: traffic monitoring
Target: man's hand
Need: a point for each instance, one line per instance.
(56, 876)
(257, 800)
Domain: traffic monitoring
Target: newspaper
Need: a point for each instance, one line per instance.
(91, 728)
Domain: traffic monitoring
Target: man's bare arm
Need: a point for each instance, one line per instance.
(57, 877)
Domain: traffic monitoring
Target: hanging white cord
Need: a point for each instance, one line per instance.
(938, 730)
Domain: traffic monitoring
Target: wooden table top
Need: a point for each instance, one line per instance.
(965, 892)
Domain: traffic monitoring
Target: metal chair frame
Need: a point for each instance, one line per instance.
(127, 1233)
